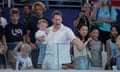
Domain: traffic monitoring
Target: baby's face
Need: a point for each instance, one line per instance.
(118, 41)
(24, 54)
(42, 26)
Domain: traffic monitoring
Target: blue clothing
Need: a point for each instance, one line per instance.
(113, 48)
(103, 14)
(82, 63)
(118, 58)
(42, 49)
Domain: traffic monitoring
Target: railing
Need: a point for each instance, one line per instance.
(48, 3)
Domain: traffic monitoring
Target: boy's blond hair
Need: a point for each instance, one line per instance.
(26, 48)
(14, 11)
(42, 20)
(40, 4)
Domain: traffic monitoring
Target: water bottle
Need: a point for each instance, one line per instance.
(114, 68)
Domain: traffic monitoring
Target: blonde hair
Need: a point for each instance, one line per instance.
(88, 4)
(26, 48)
(40, 4)
(42, 20)
(14, 11)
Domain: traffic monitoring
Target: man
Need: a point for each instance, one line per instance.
(59, 38)
(27, 14)
(38, 9)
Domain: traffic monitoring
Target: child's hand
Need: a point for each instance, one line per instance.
(19, 44)
(41, 38)
(89, 39)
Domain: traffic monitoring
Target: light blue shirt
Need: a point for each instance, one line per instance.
(104, 14)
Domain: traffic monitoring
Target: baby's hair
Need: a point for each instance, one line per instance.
(42, 20)
(14, 11)
(26, 48)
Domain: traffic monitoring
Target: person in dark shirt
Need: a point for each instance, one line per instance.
(14, 33)
(38, 9)
(27, 14)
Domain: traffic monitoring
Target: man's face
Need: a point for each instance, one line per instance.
(26, 10)
(57, 20)
(38, 10)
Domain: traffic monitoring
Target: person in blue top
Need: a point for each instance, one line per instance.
(104, 15)
(111, 47)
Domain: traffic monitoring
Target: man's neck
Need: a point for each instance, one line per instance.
(56, 27)
(40, 16)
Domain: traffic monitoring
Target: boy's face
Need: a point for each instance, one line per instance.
(14, 17)
(42, 26)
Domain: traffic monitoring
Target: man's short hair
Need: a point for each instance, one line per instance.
(56, 12)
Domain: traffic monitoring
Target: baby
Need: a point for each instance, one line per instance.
(23, 60)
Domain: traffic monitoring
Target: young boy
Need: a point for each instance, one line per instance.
(14, 33)
(41, 33)
(23, 61)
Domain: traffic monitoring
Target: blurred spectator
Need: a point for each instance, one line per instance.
(27, 14)
(104, 16)
(14, 32)
(82, 57)
(95, 47)
(38, 9)
(111, 46)
(3, 21)
(84, 16)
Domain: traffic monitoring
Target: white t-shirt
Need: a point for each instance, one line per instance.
(22, 63)
(40, 33)
(59, 45)
(62, 36)
(3, 22)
